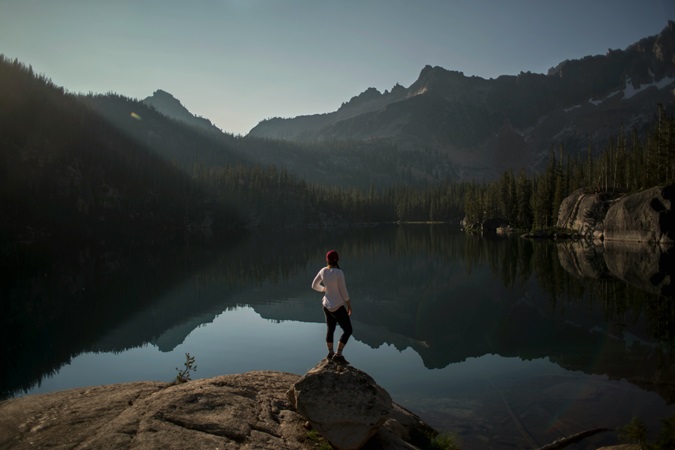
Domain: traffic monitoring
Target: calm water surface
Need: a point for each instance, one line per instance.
(489, 338)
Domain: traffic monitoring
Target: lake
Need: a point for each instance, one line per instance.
(495, 339)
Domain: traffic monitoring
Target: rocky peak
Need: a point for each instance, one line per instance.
(171, 107)
(398, 89)
(448, 84)
(431, 76)
(366, 96)
(429, 72)
(163, 100)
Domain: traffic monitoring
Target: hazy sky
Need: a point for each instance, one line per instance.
(238, 62)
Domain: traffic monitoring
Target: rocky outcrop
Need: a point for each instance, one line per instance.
(584, 212)
(342, 403)
(646, 216)
(242, 411)
(494, 225)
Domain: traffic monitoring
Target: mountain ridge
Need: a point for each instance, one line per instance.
(577, 103)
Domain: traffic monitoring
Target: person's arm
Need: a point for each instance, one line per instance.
(343, 291)
(316, 284)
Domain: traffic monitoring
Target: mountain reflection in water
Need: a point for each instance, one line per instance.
(505, 341)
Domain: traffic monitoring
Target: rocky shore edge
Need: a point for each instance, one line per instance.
(240, 411)
(331, 406)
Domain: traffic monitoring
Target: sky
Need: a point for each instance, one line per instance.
(237, 62)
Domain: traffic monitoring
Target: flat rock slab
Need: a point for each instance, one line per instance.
(227, 412)
(242, 411)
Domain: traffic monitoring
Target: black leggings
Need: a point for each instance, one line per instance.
(339, 317)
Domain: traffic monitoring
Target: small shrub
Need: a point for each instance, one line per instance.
(635, 432)
(444, 441)
(667, 433)
(318, 442)
(189, 365)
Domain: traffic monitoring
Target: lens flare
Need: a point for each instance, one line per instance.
(135, 116)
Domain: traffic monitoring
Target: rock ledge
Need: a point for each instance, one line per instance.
(242, 411)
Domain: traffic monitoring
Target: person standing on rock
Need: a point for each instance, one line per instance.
(336, 305)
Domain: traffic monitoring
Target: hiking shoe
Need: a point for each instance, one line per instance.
(330, 355)
(338, 358)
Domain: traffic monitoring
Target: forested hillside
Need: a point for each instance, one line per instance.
(67, 173)
(334, 163)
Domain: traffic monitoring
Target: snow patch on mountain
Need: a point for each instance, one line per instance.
(631, 91)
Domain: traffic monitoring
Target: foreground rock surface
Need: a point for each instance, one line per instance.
(243, 411)
(342, 403)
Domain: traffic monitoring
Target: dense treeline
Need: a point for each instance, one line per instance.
(268, 197)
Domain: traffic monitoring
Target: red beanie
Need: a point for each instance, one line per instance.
(332, 256)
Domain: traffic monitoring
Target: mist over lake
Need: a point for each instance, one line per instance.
(487, 337)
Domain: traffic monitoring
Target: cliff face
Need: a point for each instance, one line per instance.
(646, 216)
(584, 213)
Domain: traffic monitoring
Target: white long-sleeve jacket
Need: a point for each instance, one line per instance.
(331, 281)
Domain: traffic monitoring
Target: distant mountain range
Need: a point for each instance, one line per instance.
(444, 126)
(481, 127)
